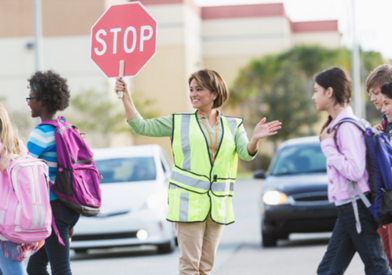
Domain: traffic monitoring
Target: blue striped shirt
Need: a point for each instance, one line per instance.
(41, 144)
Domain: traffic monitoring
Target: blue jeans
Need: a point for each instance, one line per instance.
(7, 265)
(53, 251)
(345, 241)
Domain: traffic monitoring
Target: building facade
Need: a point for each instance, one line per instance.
(223, 38)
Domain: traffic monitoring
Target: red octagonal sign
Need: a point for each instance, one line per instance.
(124, 32)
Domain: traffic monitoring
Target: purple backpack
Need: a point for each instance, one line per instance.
(77, 178)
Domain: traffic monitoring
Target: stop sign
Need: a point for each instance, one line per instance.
(124, 32)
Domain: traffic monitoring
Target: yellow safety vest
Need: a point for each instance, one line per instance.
(198, 187)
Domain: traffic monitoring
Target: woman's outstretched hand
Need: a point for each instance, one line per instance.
(261, 131)
(265, 130)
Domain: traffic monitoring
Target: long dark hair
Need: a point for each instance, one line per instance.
(340, 81)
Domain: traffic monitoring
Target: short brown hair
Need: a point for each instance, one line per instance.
(212, 81)
(379, 76)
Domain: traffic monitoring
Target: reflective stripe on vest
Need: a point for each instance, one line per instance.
(223, 187)
(186, 148)
(232, 123)
(184, 205)
(196, 183)
(201, 184)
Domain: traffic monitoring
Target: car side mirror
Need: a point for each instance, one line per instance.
(259, 174)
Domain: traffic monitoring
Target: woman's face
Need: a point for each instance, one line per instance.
(320, 97)
(387, 108)
(34, 105)
(201, 98)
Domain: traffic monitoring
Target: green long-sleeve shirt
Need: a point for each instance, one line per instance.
(163, 127)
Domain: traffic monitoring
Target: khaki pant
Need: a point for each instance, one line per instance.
(198, 243)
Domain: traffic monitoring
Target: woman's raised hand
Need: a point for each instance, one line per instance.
(268, 129)
(130, 109)
(121, 86)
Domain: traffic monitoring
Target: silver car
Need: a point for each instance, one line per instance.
(134, 201)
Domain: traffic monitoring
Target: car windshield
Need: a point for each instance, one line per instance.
(126, 169)
(299, 159)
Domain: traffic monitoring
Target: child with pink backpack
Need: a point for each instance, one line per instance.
(15, 196)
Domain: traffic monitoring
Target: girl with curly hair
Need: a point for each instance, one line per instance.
(49, 93)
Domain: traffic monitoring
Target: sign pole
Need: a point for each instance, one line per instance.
(121, 75)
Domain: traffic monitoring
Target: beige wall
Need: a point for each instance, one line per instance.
(186, 43)
(326, 39)
(59, 17)
(244, 36)
(229, 44)
(69, 56)
(16, 18)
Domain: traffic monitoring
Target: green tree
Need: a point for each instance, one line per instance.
(369, 61)
(20, 119)
(95, 112)
(280, 86)
(310, 59)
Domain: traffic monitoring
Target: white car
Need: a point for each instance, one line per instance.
(134, 201)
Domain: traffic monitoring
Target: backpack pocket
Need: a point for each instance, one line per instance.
(86, 185)
(4, 199)
(32, 191)
(63, 183)
(386, 202)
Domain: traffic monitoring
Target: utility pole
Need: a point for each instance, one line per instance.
(355, 68)
(38, 34)
(38, 39)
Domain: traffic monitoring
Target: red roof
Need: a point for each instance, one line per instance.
(240, 11)
(256, 10)
(196, 8)
(159, 2)
(315, 26)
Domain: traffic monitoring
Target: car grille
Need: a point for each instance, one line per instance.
(111, 236)
(309, 198)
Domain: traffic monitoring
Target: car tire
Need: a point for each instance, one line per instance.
(80, 250)
(166, 248)
(268, 239)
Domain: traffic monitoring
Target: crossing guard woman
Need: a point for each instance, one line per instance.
(205, 147)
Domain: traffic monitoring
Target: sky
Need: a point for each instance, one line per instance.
(373, 18)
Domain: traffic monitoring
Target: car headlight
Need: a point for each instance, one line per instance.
(142, 234)
(156, 200)
(274, 198)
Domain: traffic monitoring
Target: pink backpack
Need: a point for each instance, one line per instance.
(25, 211)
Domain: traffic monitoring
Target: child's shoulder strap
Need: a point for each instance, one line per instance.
(359, 124)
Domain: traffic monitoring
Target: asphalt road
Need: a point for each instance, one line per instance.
(239, 252)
